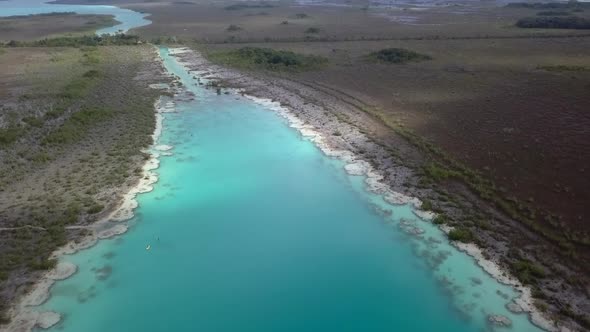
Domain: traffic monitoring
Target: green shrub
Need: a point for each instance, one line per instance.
(55, 113)
(553, 13)
(440, 219)
(76, 126)
(90, 40)
(91, 73)
(528, 272)
(550, 5)
(436, 172)
(398, 55)
(233, 27)
(10, 134)
(554, 22)
(559, 68)
(33, 121)
(240, 6)
(266, 58)
(426, 205)
(41, 157)
(95, 208)
(461, 234)
(42, 264)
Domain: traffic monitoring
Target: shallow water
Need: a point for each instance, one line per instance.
(129, 19)
(252, 228)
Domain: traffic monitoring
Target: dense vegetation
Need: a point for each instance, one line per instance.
(461, 234)
(77, 137)
(563, 68)
(397, 55)
(553, 13)
(550, 5)
(44, 14)
(239, 6)
(90, 40)
(266, 58)
(554, 22)
(233, 27)
(527, 271)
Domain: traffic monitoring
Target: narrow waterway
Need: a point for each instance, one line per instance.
(129, 19)
(252, 228)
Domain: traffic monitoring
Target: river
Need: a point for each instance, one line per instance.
(129, 19)
(252, 228)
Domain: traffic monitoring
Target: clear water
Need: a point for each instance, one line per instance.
(252, 228)
(129, 19)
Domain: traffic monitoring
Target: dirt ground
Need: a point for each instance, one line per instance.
(41, 26)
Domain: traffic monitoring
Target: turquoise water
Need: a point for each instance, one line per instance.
(129, 19)
(252, 228)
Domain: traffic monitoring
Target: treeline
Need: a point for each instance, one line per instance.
(398, 55)
(308, 39)
(554, 22)
(51, 14)
(240, 6)
(90, 40)
(553, 13)
(550, 5)
(269, 59)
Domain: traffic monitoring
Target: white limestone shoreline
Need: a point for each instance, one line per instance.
(373, 180)
(358, 167)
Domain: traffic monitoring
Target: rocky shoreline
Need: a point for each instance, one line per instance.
(331, 123)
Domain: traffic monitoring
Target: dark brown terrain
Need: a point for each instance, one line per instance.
(48, 25)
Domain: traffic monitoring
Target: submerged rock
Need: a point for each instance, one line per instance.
(113, 231)
(475, 281)
(104, 272)
(358, 168)
(514, 307)
(47, 319)
(163, 147)
(410, 228)
(425, 215)
(499, 320)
